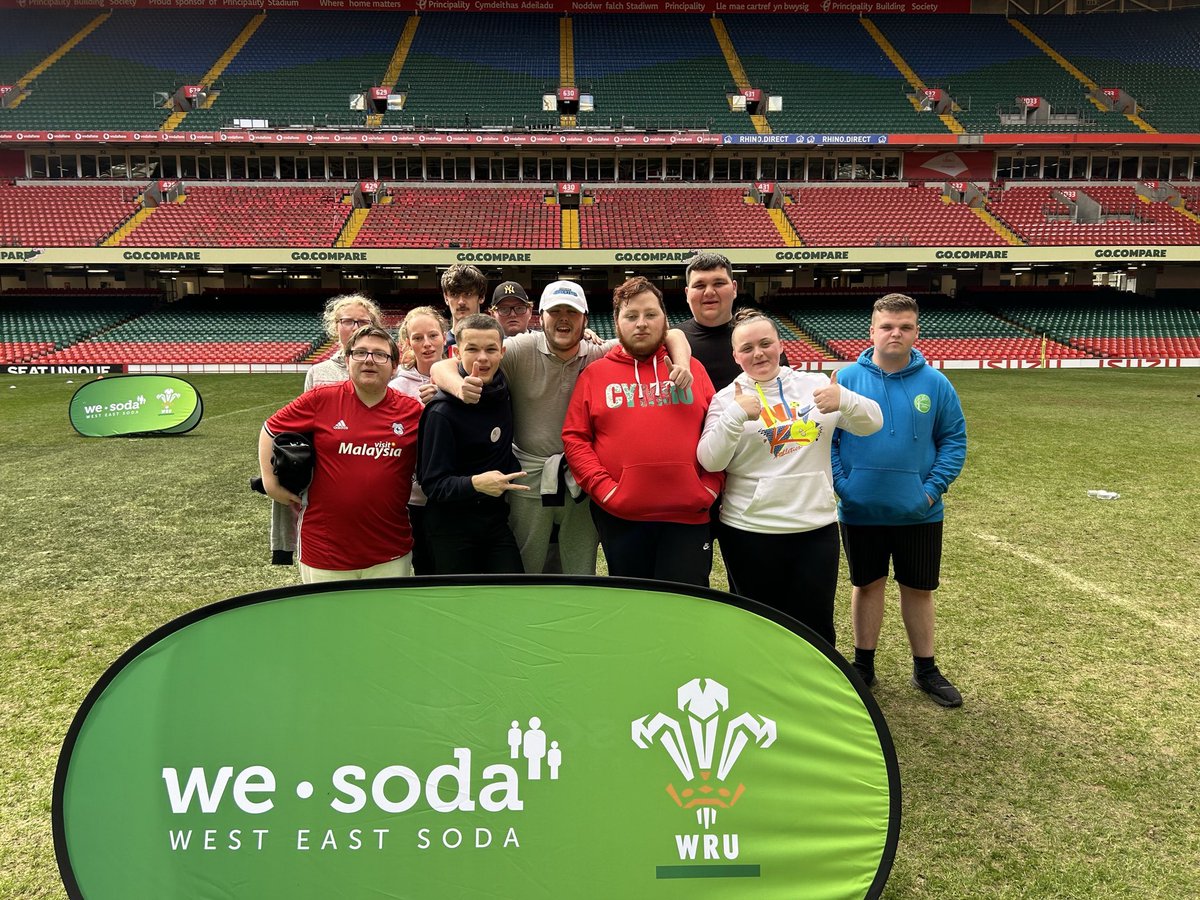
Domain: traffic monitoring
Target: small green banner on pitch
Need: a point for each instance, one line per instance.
(135, 404)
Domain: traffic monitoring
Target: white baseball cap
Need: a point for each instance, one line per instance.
(563, 293)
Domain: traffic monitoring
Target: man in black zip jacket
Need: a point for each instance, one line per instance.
(465, 462)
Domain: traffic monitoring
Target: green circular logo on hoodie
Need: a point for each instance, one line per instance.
(922, 403)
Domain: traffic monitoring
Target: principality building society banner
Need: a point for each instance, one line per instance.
(490, 738)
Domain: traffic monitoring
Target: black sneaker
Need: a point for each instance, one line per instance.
(938, 687)
(867, 675)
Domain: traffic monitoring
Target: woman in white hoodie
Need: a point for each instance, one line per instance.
(422, 341)
(770, 431)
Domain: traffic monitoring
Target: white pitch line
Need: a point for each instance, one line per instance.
(1080, 584)
(234, 412)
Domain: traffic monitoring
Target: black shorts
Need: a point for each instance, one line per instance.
(915, 551)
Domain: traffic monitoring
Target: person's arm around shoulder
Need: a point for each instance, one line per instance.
(950, 442)
(679, 352)
(724, 424)
(579, 438)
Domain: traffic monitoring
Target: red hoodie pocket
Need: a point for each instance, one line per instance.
(659, 491)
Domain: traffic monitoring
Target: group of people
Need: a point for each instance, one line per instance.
(480, 446)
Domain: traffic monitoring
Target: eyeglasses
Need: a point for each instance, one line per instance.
(511, 310)
(353, 323)
(379, 356)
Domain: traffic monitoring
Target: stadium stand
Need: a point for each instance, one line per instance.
(675, 217)
(202, 329)
(36, 323)
(1153, 57)
(654, 70)
(986, 64)
(480, 70)
(300, 68)
(884, 216)
(832, 76)
(28, 36)
(1040, 216)
(246, 217)
(110, 78)
(62, 215)
(463, 217)
(1106, 323)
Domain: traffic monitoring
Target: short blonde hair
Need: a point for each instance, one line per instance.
(415, 312)
(335, 305)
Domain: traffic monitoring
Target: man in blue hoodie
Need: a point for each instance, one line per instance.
(890, 485)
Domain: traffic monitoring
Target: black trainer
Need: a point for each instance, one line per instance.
(938, 687)
(867, 675)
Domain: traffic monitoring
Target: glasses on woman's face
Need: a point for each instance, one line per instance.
(379, 356)
(353, 323)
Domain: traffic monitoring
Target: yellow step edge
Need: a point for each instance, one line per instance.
(400, 54)
(952, 124)
(566, 64)
(997, 226)
(374, 120)
(1186, 213)
(571, 239)
(24, 80)
(736, 71)
(354, 224)
(127, 227)
(1141, 123)
(217, 68)
(788, 322)
(1053, 54)
(785, 229)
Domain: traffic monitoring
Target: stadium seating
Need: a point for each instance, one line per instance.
(110, 78)
(654, 69)
(482, 69)
(874, 216)
(832, 75)
(986, 64)
(1033, 213)
(1153, 57)
(214, 216)
(464, 217)
(27, 36)
(34, 324)
(300, 68)
(62, 215)
(674, 217)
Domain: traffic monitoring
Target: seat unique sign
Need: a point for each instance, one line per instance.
(494, 737)
(135, 404)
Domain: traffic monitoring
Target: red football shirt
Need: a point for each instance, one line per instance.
(356, 515)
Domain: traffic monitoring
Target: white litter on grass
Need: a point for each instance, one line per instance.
(1104, 495)
(69, 381)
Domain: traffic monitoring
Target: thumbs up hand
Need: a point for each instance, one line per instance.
(828, 399)
(472, 386)
(748, 402)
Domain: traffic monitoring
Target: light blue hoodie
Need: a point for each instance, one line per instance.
(889, 477)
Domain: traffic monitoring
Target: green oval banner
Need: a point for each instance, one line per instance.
(493, 737)
(135, 404)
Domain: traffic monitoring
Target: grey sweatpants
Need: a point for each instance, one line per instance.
(532, 523)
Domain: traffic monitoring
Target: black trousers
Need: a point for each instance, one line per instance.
(422, 553)
(796, 573)
(472, 537)
(666, 551)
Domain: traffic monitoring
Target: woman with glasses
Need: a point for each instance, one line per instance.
(770, 432)
(422, 340)
(343, 316)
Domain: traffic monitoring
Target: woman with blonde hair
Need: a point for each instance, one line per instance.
(343, 316)
(770, 431)
(422, 340)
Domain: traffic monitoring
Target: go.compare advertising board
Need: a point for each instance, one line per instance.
(478, 738)
(135, 404)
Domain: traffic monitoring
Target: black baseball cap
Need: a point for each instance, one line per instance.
(509, 289)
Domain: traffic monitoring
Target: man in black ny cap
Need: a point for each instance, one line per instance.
(511, 308)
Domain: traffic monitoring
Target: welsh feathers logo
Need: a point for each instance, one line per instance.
(168, 396)
(705, 783)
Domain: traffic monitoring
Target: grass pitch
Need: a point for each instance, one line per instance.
(1070, 624)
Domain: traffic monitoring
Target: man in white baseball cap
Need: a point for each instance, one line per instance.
(541, 369)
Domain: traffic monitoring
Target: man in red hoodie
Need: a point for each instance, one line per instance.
(630, 439)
